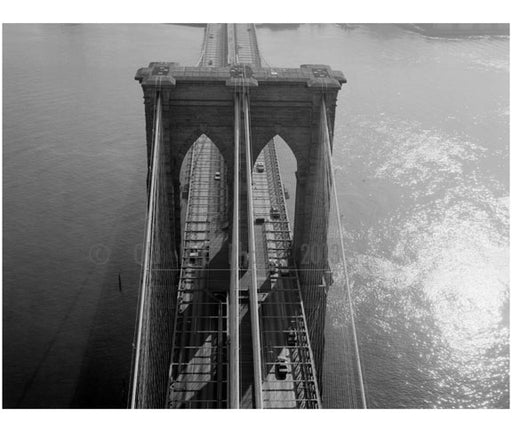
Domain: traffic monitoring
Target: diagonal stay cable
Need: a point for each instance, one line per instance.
(342, 247)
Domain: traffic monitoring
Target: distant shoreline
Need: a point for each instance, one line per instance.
(432, 29)
(459, 30)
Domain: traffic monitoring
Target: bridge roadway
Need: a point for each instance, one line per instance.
(199, 359)
(199, 362)
(283, 327)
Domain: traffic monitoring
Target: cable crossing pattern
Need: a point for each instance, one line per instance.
(157, 295)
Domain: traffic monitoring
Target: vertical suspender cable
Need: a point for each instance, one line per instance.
(234, 346)
(342, 247)
(147, 242)
(253, 288)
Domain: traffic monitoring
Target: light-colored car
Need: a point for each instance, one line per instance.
(193, 257)
(217, 176)
(272, 268)
(260, 167)
(283, 267)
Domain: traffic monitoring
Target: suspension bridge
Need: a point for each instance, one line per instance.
(232, 300)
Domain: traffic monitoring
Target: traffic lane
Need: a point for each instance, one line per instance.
(195, 381)
(278, 393)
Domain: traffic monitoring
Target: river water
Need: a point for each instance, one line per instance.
(421, 150)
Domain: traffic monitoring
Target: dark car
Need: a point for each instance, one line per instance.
(282, 368)
(291, 337)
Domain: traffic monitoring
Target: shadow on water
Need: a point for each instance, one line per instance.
(105, 372)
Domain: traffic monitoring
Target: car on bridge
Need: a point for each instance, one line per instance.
(282, 368)
(272, 268)
(244, 260)
(283, 267)
(291, 336)
(193, 255)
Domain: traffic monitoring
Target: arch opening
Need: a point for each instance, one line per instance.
(263, 166)
(204, 278)
(204, 207)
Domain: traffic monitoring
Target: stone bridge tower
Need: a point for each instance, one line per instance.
(284, 102)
